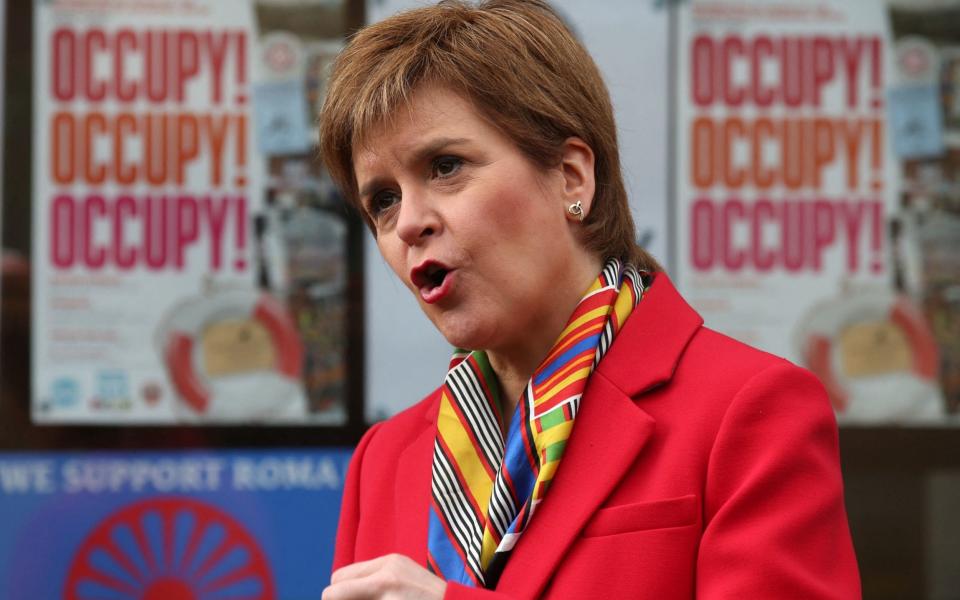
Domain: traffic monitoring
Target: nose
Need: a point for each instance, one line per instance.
(417, 220)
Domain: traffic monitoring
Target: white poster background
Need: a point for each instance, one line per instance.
(406, 356)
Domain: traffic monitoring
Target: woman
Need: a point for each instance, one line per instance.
(594, 440)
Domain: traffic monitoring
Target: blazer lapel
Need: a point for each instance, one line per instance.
(610, 432)
(412, 491)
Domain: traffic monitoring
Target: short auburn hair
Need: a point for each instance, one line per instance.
(518, 64)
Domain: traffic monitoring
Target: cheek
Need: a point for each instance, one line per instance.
(532, 209)
(529, 228)
(393, 256)
(511, 216)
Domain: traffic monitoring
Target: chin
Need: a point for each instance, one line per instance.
(461, 332)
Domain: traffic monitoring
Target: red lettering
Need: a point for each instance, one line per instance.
(62, 232)
(851, 52)
(793, 153)
(63, 134)
(63, 69)
(733, 130)
(762, 48)
(126, 44)
(188, 146)
(216, 213)
(186, 228)
(95, 88)
(824, 229)
(733, 95)
(733, 258)
(790, 235)
(763, 258)
(125, 257)
(703, 152)
(169, 145)
(763, 177)
(702, 238)
(799, 67)
(702, 71)
(124, 129)
(94, 125)
(170, 226)
(94, 256)
(823, 66)
(157, 65)
(188, 64)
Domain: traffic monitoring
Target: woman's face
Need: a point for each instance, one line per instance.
(473, 228)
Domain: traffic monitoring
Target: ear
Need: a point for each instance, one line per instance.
(576, 168)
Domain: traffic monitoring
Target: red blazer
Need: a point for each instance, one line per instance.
(698, 468)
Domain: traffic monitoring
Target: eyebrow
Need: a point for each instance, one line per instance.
(419, 155)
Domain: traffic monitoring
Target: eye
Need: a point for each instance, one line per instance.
(382, 201)
(445, 166)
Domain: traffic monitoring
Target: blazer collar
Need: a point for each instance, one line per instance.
(647, 350)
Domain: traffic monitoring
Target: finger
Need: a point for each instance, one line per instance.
(359, 588)
(362, 569)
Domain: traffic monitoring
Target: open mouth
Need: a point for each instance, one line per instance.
(435, 275)
(430, 278)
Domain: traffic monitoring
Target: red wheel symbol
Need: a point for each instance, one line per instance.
(169, 549)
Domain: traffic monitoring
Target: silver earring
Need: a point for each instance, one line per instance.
(576, 210)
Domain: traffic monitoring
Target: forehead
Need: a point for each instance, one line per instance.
(431, 113)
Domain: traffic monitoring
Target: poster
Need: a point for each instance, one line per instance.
(257, 525)
(787, 187)
(190, 260)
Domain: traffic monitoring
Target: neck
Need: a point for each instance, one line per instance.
(515, 365)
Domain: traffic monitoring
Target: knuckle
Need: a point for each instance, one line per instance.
(393, 578)
(390, 580)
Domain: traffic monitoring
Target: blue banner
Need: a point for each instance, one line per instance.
(192, 525)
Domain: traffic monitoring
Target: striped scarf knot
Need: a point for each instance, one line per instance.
(484, 488)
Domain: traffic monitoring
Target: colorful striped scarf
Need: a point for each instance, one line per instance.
(486, 489)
